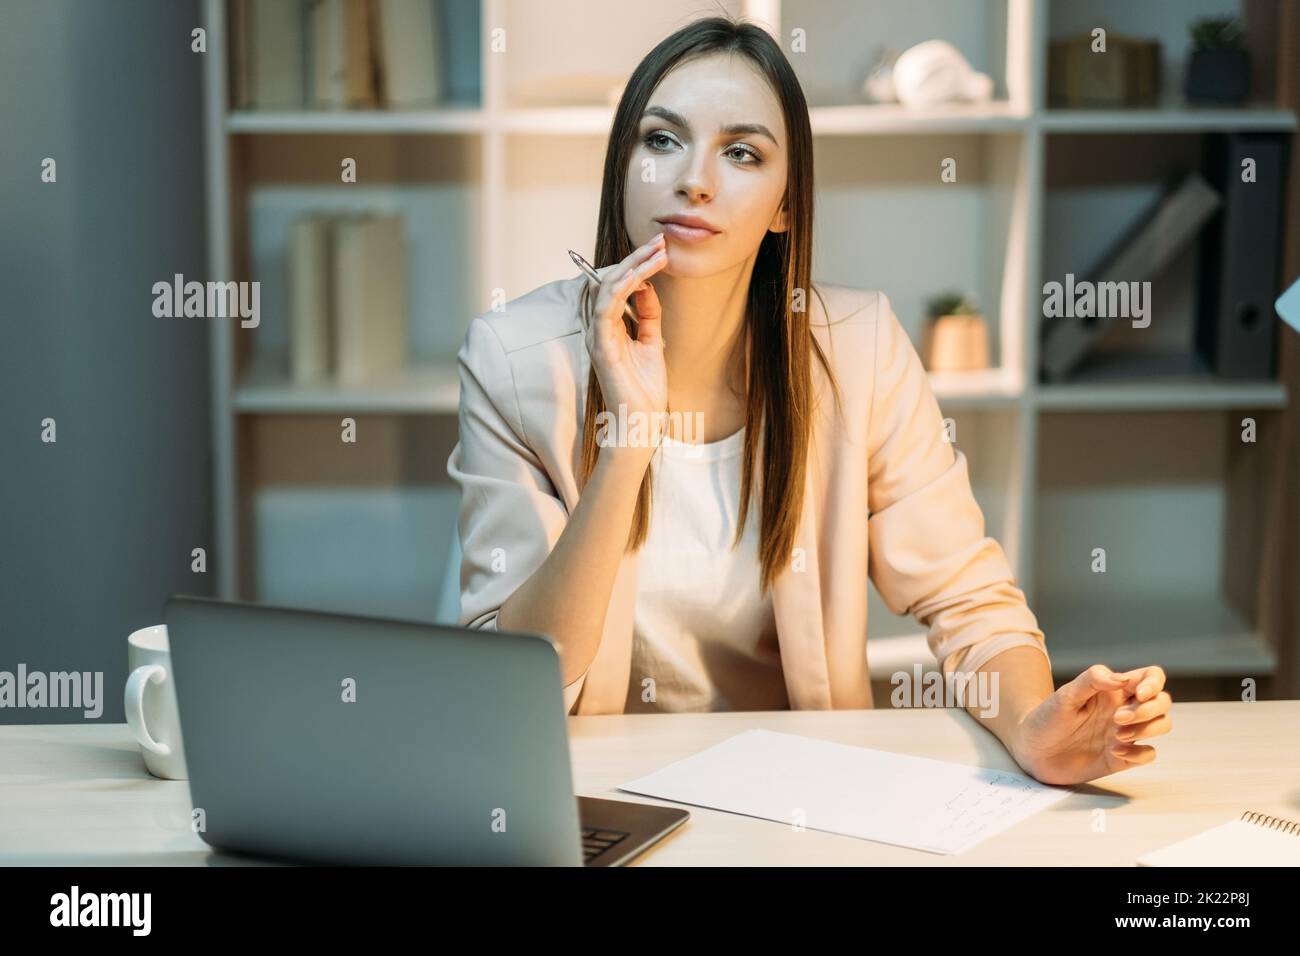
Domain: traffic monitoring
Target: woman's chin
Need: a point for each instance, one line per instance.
(687, 263)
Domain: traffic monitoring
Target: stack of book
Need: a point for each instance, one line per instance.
(347, 298)
(336, 54)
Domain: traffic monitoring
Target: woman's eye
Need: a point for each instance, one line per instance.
(745, 155)
(752, 154)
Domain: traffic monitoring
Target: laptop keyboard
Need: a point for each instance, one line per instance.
(596, 841)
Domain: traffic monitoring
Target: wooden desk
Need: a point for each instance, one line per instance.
(78, 794)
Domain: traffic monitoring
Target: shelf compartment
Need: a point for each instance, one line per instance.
(1173, 499)
(536, 69)
(837, 59)
(1169, 24)
(969, 235)
(457, 55)
(355, 528)
(433, 184)
(1097, 188)
(992, 441)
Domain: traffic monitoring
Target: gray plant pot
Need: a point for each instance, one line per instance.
(1218, 76)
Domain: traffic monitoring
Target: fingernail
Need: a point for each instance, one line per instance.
(1124, 714)
(657, 238)
(1126, 735)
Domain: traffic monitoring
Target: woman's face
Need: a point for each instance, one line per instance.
(712, 145)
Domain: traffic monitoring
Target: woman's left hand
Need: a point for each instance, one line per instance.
(1089, 727)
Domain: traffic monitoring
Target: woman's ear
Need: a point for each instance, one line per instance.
(779, 223)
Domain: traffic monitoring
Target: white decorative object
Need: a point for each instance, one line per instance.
(879, 84)
(935, 72)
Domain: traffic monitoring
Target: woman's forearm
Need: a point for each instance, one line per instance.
(567, 597)
(1024, 680)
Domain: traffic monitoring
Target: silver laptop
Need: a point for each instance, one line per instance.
(343, 739)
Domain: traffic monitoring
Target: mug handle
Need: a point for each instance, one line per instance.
(135, 686)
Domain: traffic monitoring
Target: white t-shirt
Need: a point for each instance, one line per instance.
(701, 632)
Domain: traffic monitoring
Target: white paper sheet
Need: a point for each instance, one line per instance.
(891, 798)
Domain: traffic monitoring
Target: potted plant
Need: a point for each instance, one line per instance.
(955, 338)
(1219, 68)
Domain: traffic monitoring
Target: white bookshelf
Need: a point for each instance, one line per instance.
(466, 119)
(431, 388)
(1171, 119)
(514, 180)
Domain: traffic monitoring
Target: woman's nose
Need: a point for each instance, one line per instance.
(696, 181)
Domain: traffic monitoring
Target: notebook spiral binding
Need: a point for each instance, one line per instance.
(1291, 827)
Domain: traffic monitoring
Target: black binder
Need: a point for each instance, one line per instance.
(1240, 256)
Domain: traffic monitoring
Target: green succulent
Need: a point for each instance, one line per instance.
(1218, 33)
(950, 303)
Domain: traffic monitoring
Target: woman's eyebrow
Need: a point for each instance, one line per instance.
(733, 129)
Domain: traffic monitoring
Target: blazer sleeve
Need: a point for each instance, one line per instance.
(510, 516)
(929, 555)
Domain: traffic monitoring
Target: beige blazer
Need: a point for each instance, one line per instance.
(884, 467)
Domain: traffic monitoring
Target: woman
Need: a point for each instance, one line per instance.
(727, 569)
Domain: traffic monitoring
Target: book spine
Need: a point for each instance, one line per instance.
(309, 340)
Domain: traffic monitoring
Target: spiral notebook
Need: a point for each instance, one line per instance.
(1253, 840)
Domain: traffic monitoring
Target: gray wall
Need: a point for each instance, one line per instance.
(96, 529)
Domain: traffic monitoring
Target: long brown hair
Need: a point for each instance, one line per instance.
(780, 342)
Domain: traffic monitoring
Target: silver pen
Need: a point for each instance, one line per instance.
(594, 276)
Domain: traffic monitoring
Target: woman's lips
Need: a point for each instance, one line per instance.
(682, 233)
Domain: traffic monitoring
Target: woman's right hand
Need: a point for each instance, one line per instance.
(631, 371)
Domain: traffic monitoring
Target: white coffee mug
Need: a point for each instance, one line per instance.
(151, 703)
